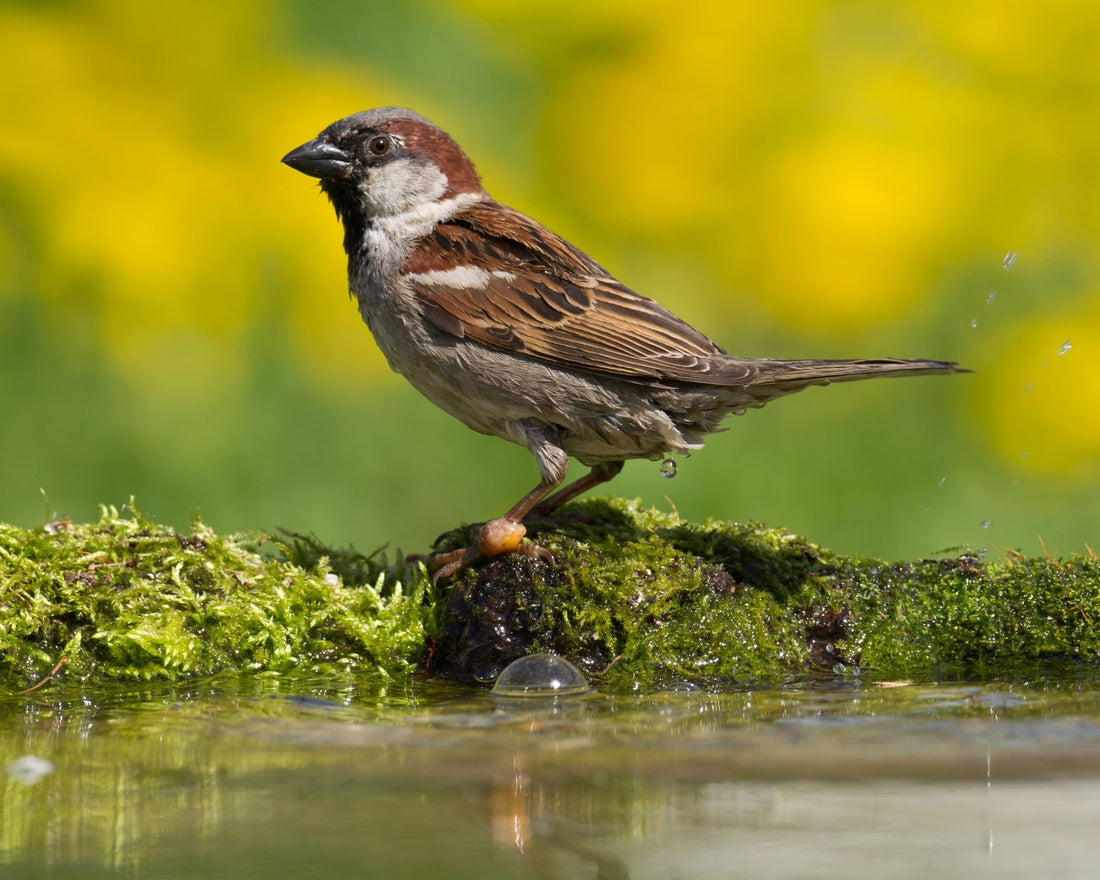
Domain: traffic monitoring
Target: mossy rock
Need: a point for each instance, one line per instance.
(642, 598)
(637, 599)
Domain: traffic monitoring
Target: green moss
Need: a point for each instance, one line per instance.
(638, 599)
(126, 598)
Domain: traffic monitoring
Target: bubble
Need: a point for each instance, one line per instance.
(973, 323)
(1009, 261)
(540, 675)
(991, 297)
(1066, 346)
(29, 769)
(668, 468)
(986, 523)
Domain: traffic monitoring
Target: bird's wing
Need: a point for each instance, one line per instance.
(494, 276)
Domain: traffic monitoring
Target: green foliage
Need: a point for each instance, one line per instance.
(126, 598)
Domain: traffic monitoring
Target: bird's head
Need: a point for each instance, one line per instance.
(385, 162)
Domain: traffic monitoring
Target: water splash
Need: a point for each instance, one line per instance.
(1009, 261)
(668, 468)
(1066, 346)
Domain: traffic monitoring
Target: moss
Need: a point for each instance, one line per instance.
(638, 599)
(641, 599)
(126, 598)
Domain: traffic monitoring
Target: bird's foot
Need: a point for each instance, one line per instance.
(494, 538)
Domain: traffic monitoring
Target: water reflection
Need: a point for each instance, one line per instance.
(299, 779)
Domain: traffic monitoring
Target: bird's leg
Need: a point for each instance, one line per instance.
(600, 473)
(504, 535)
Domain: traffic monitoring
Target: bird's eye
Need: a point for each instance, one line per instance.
(379, 145)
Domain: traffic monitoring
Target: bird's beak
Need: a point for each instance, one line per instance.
(321, 159)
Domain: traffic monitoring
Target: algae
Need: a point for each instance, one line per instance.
(638, 599)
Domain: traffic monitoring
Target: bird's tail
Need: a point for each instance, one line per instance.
(768, 379)
(815, 372)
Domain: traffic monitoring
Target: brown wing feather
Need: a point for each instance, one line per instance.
(545, 299)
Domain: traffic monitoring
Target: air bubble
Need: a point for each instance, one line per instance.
(668, 468)
(1009, 261)
(540, 675)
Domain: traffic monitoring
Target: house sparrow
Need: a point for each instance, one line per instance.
(519, 334)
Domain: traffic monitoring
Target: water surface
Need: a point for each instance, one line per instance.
(278, 777)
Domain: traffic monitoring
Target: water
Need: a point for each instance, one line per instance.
(814, 776)
(668, 468)
(1009, 261)
(1066, 346)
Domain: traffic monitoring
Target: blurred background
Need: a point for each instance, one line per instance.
(805, 179)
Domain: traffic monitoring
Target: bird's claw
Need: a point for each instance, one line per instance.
(494, 538)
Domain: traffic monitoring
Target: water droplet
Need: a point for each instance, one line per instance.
(668, 468)
(1009, 261)
(1066, 346)
(973, 323)
(942, 481)
(928, 510)
(986, 523)
(991, 296)
(1045, 362)
(540, 675)
(1028, 386)
(1022, 455)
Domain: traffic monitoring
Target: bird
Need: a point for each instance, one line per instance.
(521, 335)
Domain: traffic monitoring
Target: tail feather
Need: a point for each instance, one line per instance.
(764, 379)
(816, 372)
